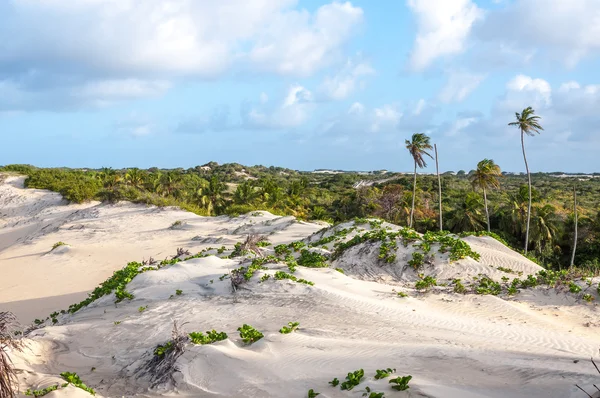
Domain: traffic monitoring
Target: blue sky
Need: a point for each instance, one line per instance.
(303, 84)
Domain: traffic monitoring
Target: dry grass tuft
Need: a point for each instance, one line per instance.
(8, 341)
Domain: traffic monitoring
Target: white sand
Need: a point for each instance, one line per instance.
(536, 345)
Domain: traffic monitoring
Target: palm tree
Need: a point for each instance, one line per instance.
(527, 122)
(417, 146)
(486, 177)
(467, 216)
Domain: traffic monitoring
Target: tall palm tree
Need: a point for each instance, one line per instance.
(417, 146)
(528, 122)
(486, 177)
(467, 215)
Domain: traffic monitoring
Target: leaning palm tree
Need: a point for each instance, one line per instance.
(486, 177)
(527, 122)
(417, 146)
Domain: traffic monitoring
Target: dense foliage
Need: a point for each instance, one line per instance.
(234, 189)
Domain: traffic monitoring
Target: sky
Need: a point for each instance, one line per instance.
(303, 84)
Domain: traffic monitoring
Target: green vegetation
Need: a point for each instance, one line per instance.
(291, 326)
(42, 392)
(210, 337)
(312, 259)
(178, 292)
(332, 197)
(401, 383)
(383, 373)
(353, 379)
(417, 260)
(335, 382)
(249, 335)
(163, 349)
(74, 379)
(425, 283)
(312, 393)
(280, 275)
(142, 309)
(58, 244)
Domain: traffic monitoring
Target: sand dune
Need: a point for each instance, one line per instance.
(537, 344)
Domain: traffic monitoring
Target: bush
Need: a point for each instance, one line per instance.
(425, 283)
(312, 259)
(417, 260)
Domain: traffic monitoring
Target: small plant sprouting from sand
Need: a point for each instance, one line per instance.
(73, 378)
(249, 334)
(353, 379)
(335, 382)
(182, 252)
(176, 224)
(372, 394)
(312, 393)
(425, 283)
(401, 383)
(57, 245)
(8, 376)
(142, 309)
(291, 327)
(383, 373)
(44, 391)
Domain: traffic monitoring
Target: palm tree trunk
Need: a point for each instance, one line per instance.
(412, 208)
(529, 183)
(487, 213)
(575, 238)
(437, 168)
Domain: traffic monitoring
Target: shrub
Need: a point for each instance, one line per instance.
(249, 335)
(574, 288)
(401, 383)
(282, 250)
(488, 286)
(291, 326)
(210, 337)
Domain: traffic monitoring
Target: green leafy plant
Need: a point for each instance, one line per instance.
(291, 326)
(42, 392)
(74, 379)
(142, 309)
(459, 287)
(402, 294)
(488, 286)
(588, 297)
(341, 271)
(401, 383)
(280, 275)
(335, 382)
(249, 334)
(265, 277)
(117, 322)
(312, 259)
(282, 250)
(179, 292)
(372, 394)
(417, 260)
(574, 288)
(163, 349)
(312, 393)
(208, 338)
(353, 379)
(425, 283)
(383, 373)
(296, 246)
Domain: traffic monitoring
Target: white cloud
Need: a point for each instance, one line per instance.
(385, 118)
(566, 31)
(523, 91)
(297, 43)
(345, 82)
(136, 48)
(459, 86)
(443, 27)
(109, 90)
(293, 111)
(136, 125)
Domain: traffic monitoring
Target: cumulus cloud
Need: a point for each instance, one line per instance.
(346, 81)
(98, 50)
(443, 27)
(459, 86)
(293, 110)
(567, 31)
